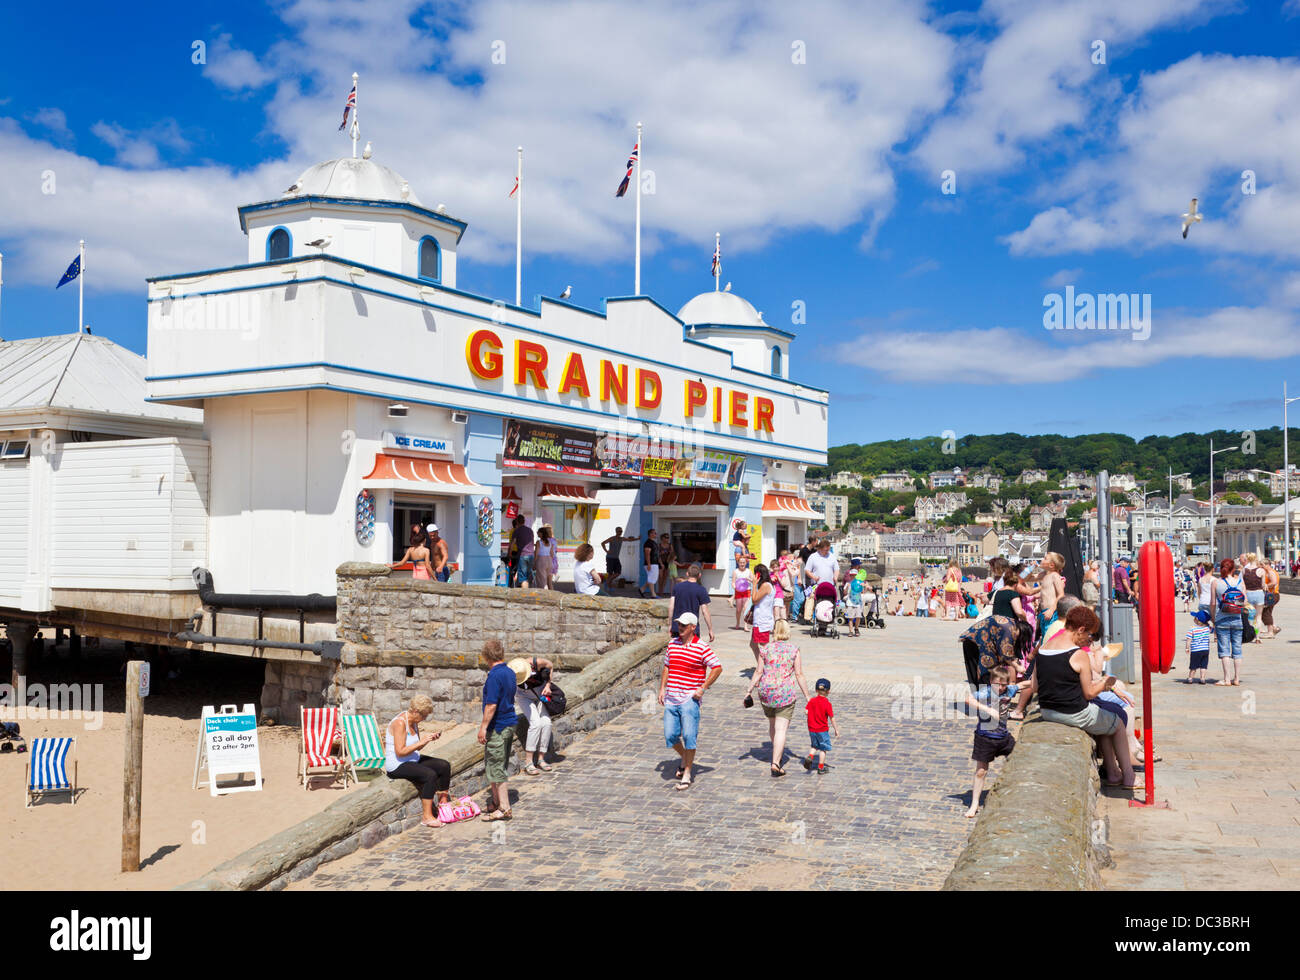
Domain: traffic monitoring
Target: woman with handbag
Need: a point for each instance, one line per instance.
(430, 775)
(534, 678)
(780, 673)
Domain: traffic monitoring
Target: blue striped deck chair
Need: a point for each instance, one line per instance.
(47, 768)
(364, 749)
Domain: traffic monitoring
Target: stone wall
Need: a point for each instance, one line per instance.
(406, 636)
(288, 686)
(601, 691)
(1039, 829)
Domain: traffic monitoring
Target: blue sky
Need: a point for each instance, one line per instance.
(823, 176)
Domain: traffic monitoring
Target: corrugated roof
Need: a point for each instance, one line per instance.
(79, 372)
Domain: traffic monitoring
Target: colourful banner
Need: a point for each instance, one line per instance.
(709, 469)
(652, 459)
(551, 448)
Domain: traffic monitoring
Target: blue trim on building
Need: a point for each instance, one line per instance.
(483, 434)
(270, 235)
(424, 381)
(785, 334)
(352, 202)
(419, 260)
(474, 316)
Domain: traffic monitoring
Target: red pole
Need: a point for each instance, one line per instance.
(1149, 754)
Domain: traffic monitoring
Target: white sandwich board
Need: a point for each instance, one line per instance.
(227, 747)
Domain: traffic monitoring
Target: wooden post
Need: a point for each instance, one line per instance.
(132, 770)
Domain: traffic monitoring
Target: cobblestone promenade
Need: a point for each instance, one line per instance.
(889, 814)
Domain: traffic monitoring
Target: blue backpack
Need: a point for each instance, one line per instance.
(1233, 600)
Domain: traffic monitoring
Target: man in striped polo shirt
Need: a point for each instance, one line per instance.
(690, 668)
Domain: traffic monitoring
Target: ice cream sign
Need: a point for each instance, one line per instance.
(408, 442)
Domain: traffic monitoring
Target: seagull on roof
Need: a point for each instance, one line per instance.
(568, 291)
(727, 287)
(293, 187)
(1189, 216)
(321, 242)
(365, 154)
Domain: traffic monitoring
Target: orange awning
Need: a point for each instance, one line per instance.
(421, 475)
(508, 492)
(566, 493)
(790, 506)
(690, 497)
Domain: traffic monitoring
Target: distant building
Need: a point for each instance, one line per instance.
(891, 481)
(834, 506)
(1032, 476)
(947, 478)
(985, 479)
(1123, 481)
(1076, 478)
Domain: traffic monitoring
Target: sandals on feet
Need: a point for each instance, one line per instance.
(531, 770)
(777, 772)
(498, 815)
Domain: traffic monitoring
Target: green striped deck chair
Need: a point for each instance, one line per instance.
(365, 749)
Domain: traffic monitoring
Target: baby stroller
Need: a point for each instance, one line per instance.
(824, 601)
(871, 617)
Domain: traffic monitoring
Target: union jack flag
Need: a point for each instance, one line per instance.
(348, 107)
(717, 258)
(631, 163)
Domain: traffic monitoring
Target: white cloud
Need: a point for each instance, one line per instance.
(1192, 130)
(1036, 79)
(1003, 355)
(141, 149)
(55, 122)
(740, 138)
(1062, 277)
(234, 68)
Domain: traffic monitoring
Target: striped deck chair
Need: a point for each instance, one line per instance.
(315, 751)
(365, 750)
(47, 769)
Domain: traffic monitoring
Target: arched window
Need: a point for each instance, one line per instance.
(430, 260)
(776, 362)
(279, 245)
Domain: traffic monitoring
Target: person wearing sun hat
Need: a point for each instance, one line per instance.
(690, 668)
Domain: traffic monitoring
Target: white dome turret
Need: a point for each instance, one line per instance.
(725, 320)
(348, 177)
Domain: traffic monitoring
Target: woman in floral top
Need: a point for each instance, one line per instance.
(779, 683)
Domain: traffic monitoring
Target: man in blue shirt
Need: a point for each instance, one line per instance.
(497, 733)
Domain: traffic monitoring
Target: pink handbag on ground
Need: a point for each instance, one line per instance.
(463, 809)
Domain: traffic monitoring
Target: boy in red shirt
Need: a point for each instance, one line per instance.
(820, 717)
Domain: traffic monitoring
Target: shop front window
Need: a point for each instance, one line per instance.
(570, 524)
(406, 518)
(695, 541)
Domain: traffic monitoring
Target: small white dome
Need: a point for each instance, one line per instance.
(349, 177)
(719, 307)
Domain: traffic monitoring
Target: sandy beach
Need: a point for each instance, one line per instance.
(184, 832)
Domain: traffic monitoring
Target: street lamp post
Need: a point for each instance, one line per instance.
(1214, 452)
(1286, 480)
(1172, 477)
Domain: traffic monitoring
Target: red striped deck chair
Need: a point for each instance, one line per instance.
(316, 758)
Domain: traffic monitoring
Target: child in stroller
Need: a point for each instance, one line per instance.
(825, 599)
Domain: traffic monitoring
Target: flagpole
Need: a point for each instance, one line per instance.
(2, 286)
(519, 227)
(640, 151)
(356, 119)
(717, 250)
(81, 289)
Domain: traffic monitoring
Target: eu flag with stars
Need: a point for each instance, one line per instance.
(74, 270)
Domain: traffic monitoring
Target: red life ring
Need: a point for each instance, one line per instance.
(1156, 579)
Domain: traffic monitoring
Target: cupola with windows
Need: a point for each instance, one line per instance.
(358, 210)
(723, 319)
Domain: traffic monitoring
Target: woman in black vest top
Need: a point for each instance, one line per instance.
(1064, 684)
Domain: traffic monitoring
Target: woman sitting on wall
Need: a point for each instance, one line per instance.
(430, 775)
(1066, 685)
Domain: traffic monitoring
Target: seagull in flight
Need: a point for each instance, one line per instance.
(1190, 216)
(568, 291)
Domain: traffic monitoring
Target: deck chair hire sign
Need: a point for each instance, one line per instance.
(227, 749)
